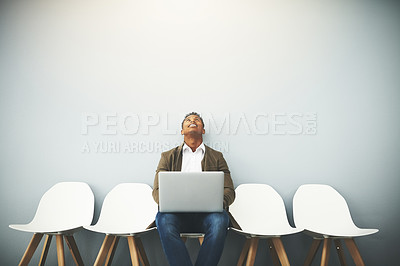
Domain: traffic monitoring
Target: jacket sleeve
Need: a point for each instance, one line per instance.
(162, 166)
(229, 190)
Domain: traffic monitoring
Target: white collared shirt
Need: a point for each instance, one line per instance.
(191, 161)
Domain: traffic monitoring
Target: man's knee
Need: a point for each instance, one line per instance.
(167, 223)
(218, 221)
(161, 219)
(222, 218)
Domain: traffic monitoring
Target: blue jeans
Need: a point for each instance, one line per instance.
(214, 225)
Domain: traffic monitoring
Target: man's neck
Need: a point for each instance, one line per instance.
(193, 143)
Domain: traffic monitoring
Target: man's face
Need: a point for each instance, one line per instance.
(192, 125)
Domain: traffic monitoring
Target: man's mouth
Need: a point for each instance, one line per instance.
(192, 125)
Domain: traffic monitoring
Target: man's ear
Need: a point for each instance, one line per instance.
(204, 131)
(182, 132)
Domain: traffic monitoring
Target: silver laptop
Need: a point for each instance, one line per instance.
(191, 191)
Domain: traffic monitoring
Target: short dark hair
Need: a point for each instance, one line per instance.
(193, 113)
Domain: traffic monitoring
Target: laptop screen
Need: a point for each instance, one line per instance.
(191, 191)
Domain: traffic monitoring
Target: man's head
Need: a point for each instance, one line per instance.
(192, 123)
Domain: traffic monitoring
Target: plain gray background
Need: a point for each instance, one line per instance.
(240, 63)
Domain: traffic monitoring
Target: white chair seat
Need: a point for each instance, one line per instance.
(268, 233)
(199, 236)
(120, 230)
(192, 235)
(340, 232)
(45, 229)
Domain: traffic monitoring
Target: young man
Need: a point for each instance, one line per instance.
(194, 156)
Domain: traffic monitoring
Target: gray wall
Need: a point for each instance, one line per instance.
(293, 92)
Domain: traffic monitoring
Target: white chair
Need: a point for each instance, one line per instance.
(128, 209)
(324, 215)
(199, 236)
(63, 209)
(261, 213)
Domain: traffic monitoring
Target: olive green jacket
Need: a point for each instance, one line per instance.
(213, 161)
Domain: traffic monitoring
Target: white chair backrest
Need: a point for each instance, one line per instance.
(65, 206)
(258, 207)
(128, 207)
(320, 207)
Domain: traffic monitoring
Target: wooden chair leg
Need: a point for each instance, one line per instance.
(354, 252)
(313, 250)
(272, 251)
(73, 248)
(133, 250)
(340, 252)
(30, 250)
(244, 252)
(60, 250)
(201, 240)
(326, 252)
(105, 247)
(111, 252)
(45, 250)
(280, 250)
(142, 252)
(251, 257)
